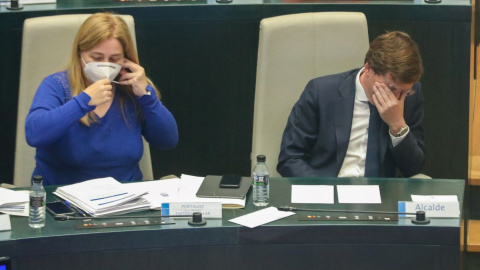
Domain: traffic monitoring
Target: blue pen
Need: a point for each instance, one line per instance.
(80, 212)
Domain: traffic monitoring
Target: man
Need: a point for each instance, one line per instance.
(363, 122)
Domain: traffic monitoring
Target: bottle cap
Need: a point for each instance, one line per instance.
(261, 158)
(37, 178)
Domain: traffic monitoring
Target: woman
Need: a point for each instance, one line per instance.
(87, 122)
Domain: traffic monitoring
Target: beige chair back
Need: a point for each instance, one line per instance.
(46, 48)
(294, 49)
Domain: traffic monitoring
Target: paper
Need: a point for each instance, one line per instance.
(159, 191)
(312, 194)
(5, 224)
(358, 194)
(14, 202)
(434, 198)
(261, 217)
(104, 196)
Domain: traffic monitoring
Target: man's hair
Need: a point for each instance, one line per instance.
(395, 53)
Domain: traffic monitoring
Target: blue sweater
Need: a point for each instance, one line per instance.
(70, 152)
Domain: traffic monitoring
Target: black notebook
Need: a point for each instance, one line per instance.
(210, 188)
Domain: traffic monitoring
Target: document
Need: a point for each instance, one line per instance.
(358, 194)
(14, 202)
(312, 194)
(261, 217)
(159, 191)
(5, 224)
(104, 196)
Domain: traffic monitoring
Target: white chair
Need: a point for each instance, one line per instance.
(46, 48)
(292, 50)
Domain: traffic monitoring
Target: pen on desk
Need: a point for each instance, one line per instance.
(80, 212)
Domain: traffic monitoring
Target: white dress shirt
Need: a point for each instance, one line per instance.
(354, 162)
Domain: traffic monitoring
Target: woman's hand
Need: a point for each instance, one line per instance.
(136, 77)
(99, 92)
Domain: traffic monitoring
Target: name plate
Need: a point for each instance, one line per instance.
(208, 209)
(432, 209)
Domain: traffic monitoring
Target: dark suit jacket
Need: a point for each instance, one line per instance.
(317, 134)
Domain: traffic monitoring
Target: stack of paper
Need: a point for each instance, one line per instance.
(14, 202)
(104, 196)
(159, 191)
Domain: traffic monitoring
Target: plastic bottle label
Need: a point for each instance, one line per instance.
(37, 201)
(261, 181)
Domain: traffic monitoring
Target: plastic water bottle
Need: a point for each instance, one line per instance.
(261, 185)
(36, 218)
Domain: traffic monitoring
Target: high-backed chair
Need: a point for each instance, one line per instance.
(46, 48)
(292, 50)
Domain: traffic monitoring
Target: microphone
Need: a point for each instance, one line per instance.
(14, 5)
(420, 217)
(195, 220)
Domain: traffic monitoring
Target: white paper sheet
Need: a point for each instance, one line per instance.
(12, 196)
(261, 217)
(5, 224)
(358, 194)
(14, 202)
(312, 194)
(160, 191)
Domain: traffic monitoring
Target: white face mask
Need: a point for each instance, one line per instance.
(96, 71)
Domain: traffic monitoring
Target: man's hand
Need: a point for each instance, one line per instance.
(389, 106)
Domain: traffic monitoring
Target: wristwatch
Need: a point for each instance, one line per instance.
(401, 132)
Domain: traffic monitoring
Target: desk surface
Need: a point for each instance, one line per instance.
(55, 245)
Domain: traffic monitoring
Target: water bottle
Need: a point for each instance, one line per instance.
(36, 218)
(261, 187)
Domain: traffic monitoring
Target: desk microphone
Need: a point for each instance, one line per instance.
(419, 218)
(14, 5)
(196, 218)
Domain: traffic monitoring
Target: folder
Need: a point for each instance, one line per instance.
(210, 188)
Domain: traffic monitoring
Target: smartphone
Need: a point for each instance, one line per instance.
(59, 208)
(230, 181)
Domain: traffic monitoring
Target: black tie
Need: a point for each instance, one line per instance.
(372, 163)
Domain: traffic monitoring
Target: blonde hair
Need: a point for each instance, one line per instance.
(395, 53)
(96, 29)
